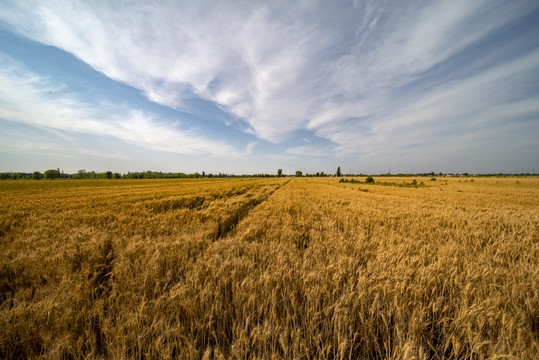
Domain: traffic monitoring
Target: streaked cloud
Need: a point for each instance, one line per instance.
(27, 98)
(311, 150)
(464, 109)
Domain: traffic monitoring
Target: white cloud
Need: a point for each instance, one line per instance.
(252, 60)
(59, 150)
(32, 100)
(310, 150)
(465, 110)
(282, 158)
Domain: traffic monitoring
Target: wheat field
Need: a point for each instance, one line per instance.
(280, 268)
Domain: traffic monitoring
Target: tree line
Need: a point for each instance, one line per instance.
(83, 174)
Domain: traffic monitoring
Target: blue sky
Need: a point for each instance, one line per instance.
(251, 87)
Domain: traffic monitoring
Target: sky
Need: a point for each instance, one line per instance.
(243, 87)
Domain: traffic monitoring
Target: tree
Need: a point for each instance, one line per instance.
(299, 174)
(117, 175)
(81, 174)
(280, 172)
(339, 171)
(52, 174)
(36, 175)
(109, 174)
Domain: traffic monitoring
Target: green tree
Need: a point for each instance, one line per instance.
(109, 174)
(280, 172)
(299, 174)
(117, 175)
(36, 175)
(339, 171)
(52, 174)
(82, 174)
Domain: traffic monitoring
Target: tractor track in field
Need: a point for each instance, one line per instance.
(228, 224)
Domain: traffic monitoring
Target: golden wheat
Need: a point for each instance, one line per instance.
(270, 269)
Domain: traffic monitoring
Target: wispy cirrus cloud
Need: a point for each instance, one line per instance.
(311, 150)
(467, 110)
(30, 99)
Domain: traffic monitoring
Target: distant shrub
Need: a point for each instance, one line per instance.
(433, 179)
(369, 179)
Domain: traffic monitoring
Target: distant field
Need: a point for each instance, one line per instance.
(301, 268)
